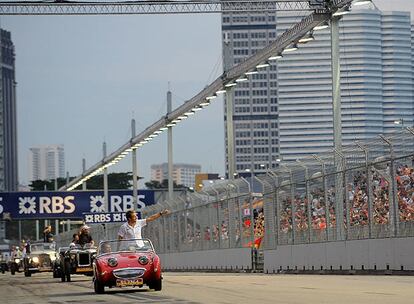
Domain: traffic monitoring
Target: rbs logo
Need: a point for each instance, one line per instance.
(46, 205)
(56, 204)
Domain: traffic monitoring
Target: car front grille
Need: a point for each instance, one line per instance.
(44, 260)
(129, 273)
(84, 259)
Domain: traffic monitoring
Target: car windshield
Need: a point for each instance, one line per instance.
(63, 249)
(77, 246)
(42, 247)
(133, 245)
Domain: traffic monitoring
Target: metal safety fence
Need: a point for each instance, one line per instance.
(364, 191)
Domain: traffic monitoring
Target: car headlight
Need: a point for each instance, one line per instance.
(112, 262)
(143, 260)
(17, 261)
(35, 259)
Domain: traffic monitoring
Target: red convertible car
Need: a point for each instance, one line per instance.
(123, 263)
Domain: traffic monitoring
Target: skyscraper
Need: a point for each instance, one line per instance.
(255, 119)
(376, 85)
(8, 128)
(183, 174)
(46, 162)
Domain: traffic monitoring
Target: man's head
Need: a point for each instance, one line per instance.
(106, 248)
(85, 229)
(75, 237)
(131, 216)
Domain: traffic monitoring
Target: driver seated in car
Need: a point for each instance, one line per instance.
(85, 237)
(75, 240)
(106, 248)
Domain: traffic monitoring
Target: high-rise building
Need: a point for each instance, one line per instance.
(255, 119)
(46, 162)
(183, 174)
(376, 58)
(8, 129)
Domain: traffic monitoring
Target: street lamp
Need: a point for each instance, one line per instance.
(400, 122)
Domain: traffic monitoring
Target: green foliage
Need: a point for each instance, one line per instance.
(118, 181)
(163, 185)
(47, 185)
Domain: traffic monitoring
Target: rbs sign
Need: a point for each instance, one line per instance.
(36, 205)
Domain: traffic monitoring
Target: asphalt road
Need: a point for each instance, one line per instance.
(186, 288)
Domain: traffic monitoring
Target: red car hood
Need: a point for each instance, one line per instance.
(126, 259)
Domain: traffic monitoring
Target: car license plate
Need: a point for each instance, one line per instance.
(85, 269)
(125, 283)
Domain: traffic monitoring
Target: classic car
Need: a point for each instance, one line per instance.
(39, 258)
(3, 263)
(77, 260)
(123, 263)
(15, 265)
(4, 257)
(56, 265)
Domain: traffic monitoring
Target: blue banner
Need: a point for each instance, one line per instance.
(70, 204)
(104, 217)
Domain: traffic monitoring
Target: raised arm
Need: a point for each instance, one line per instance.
(157, 215)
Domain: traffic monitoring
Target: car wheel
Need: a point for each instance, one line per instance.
(156, 285)
(67, 271)
(98, 286)
(56, 273)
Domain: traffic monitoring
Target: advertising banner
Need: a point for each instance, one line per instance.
(104, 218)
(68, 204)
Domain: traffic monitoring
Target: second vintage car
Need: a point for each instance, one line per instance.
(77, 260)
(39, 258)
(124, 263)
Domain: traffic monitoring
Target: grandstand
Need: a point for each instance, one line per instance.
(349, 211)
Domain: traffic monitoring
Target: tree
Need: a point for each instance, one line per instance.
(42, 185)
(163, 185)
(121, 180)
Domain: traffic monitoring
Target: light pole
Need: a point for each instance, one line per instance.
(400, 122)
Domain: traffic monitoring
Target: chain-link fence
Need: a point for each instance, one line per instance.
(364, 191)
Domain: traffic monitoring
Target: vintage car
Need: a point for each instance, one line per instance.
(77, 260)
(3, 263)
(15, 265)
(122, 263)
(39, 258)
(56, 265)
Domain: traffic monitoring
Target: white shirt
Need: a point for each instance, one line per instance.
(127, 232)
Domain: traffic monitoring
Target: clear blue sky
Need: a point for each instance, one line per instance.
(80, 80)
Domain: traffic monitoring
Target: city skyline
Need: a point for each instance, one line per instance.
(46, 162)
(82, 87)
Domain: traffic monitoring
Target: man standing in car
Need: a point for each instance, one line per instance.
(132, 228)
(84, 236)
(47, 234)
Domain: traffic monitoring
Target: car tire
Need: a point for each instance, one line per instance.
(98, 286)
(156, 285)
(67, 271)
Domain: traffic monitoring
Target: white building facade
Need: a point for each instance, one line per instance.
(46, 162)
(183, 174)
(376, 86)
